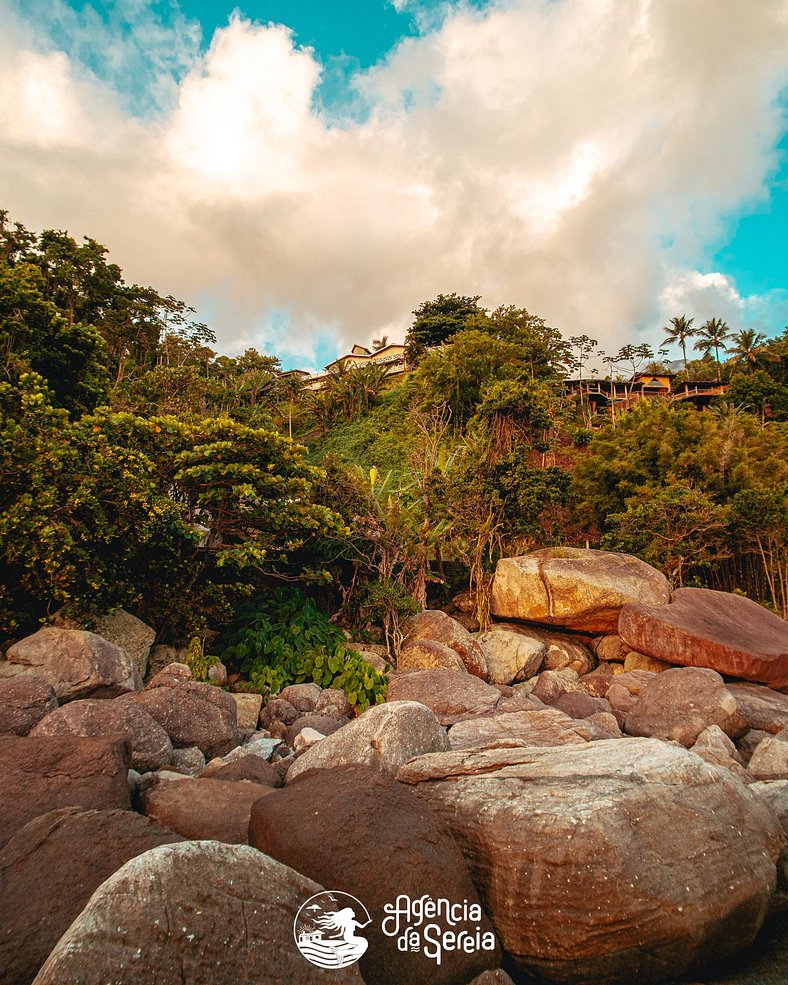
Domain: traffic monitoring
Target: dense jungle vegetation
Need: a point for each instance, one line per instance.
(139, 468)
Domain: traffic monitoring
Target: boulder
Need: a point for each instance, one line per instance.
(203, 808)
(150, 745)
(161, 656)
(453, 696)
(189, 914)
(554, 684)
(579, 704)
(716, 748)
(278, 710)
(189, 761)
(24, 701)
(497, 977)
(576, 853)
(680, 703)
(77, 664)
(376, 655)
(325, 724)
(641, 661)
(249, 767)
(247, 708)
(561, 649)
(217, 674)
(40, 774)
(365, 834)
(775, 794)
(575, 588)
(531, 728)
(334, 703)
(191, 713)
(306, 738)
(702, 628)
(170, 675)
(749, 742)
(303, 697)
(49, 870)
(130, 634)
(511, 657)
(770, 759)
(610, 647)
(383, 737)
(432, 624)
(427, 655)
(764, 709)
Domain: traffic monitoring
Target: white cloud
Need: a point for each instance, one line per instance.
(537, 153)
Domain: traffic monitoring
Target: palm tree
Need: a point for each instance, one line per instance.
(712, 335)
(380, 343)
(679, 331)
(749, 349)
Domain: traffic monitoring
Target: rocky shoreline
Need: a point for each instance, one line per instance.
(603, 772)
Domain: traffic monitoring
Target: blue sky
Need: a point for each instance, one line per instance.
(309, 188)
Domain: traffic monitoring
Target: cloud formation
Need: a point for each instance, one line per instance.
(577, 158)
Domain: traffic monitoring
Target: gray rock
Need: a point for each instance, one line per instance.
(199, 912)
(770, 759)
(511, 657)
(384, 738)
(303, 697)
(130, 634)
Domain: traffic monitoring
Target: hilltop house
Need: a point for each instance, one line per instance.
(392, 356)
(602, 394)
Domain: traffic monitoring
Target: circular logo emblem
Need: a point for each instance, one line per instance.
(325, 929)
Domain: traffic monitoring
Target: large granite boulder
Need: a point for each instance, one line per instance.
(702, 628)
(770, 759)
(191, 914)
(383, 737)
(204, 808)
(77, 664)
(432, 624)
(575, 588)
(511, 657)
(40, 774)
(680, 703)
(764, 709)
(130, 634)
(427, 655)
(191, 713)
(150, 745)
(48, 872)
(531, 728)
(249, 767)
(24, 701)
(452, 695)
(617, 861)
(365, 834)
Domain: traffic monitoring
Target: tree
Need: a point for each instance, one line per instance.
(380, 343)
(749, 349)
(679, 331)
(437, 321)
(712, 335)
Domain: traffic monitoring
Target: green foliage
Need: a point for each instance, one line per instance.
(199, 662)
(758, 392)
(438, 320)
(282, 638)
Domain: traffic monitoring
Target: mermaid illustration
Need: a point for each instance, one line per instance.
(330, 941)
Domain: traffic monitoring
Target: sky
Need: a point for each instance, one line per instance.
(306, 173)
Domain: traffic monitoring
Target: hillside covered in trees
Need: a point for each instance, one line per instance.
(139, 468)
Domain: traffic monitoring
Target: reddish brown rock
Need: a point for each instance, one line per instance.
(702, 628)
(194, 913)
(680, 703)
(206, 809)
(716, 748)
(598, 681)
(621, 861)
(77, 664)
(303, 697)
(575, 588)
(383, 738)
(24, 700)
(553, 684)
(532, 728)
(764, 709)
(192, 714)
(397, 847)
(610, 647)
(579, 704)
(252, 768)
(150, 745)
(334, 703)
(450, 694)
(49, 870)
(432, 624)
(428, 654)
(277, 710)
(325, 724)
(40, 774)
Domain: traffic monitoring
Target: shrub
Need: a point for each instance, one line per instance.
(282, 638)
